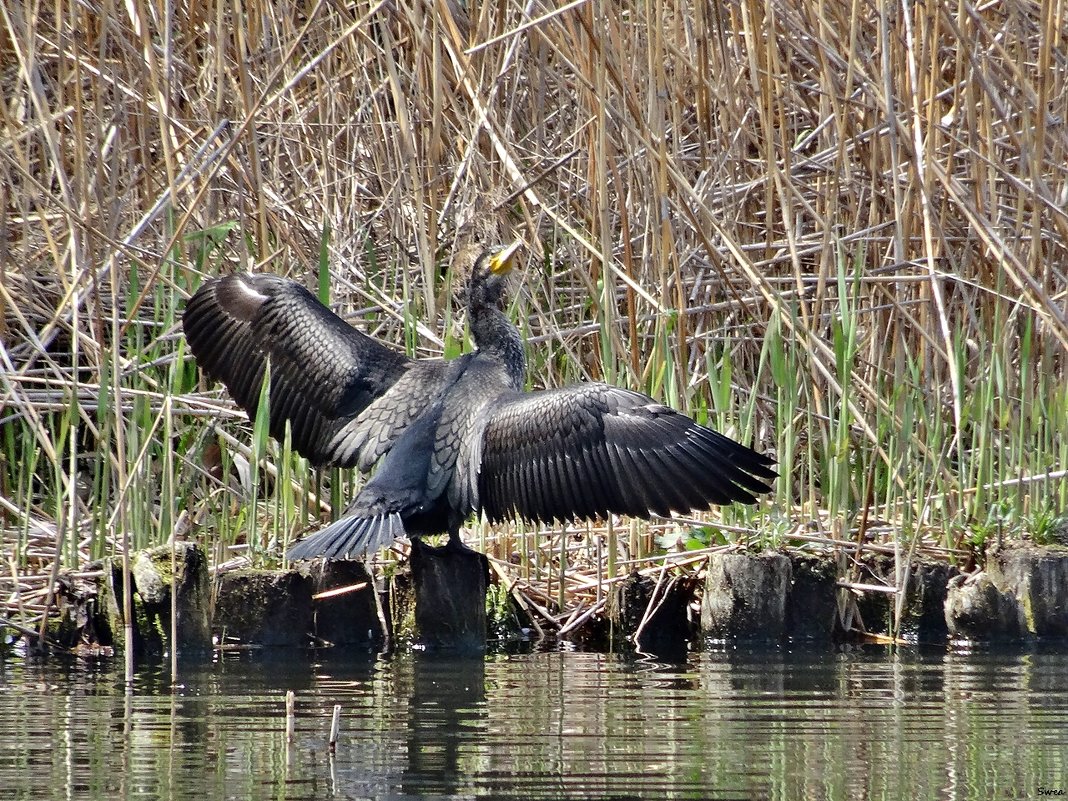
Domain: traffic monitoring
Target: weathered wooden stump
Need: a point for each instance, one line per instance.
(656, 621)
(925, 600)
(84, 622)
(152, 581)
(745, 596)
(264, 607)
(1022, 593)
(976, 608)
(344, 607)
(812, 603)
(449, 585)
(1038, 577)
(627, 602)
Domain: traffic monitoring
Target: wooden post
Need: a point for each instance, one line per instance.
(291, 721)
(335, 727)
(745, 596)
(652, 615)
(450, 596)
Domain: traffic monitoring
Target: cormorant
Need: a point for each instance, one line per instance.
(452, 438)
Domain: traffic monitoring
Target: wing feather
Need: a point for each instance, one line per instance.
(594, 482)
(576, 499)
(542, 489)
(323, 371)
(659, 502)
(564, 499)
(629, 479)
(591, 450)
(536, 488)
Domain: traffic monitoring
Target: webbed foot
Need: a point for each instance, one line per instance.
(455, 545)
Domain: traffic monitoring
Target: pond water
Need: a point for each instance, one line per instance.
(862, 723)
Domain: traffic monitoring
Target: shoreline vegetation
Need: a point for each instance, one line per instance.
(835, 232)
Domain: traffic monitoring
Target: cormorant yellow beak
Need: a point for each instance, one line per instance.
(503, 261)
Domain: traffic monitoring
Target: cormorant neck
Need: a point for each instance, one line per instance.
(495, 335)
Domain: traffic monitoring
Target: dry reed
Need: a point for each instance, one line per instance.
(837, 230)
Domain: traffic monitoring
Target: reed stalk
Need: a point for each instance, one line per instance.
(833, 230)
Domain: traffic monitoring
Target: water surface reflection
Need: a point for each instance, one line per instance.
(731, 723)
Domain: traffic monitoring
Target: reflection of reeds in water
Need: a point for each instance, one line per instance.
(838, 237)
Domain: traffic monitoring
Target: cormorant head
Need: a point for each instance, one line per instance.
(490, 275)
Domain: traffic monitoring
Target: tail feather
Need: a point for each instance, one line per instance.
(350, 538)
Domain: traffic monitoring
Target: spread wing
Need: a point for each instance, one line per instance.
(589, 450)
(323, 371)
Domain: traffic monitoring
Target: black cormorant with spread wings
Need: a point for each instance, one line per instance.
(458, 437)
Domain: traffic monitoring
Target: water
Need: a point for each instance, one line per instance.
(780, 724)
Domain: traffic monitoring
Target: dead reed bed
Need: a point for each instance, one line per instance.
(836, 230)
